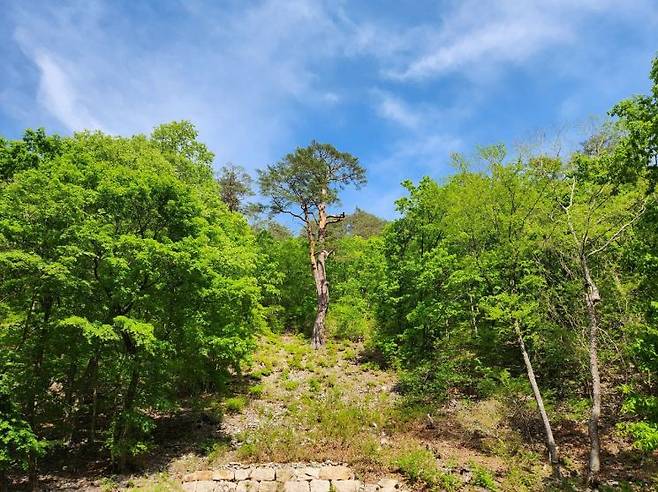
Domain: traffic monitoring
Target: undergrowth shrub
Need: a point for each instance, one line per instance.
(235, 404)
(349, 319)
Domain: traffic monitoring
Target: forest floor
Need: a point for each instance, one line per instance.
(296, 405)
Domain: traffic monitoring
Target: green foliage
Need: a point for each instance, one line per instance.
(420, 465)
(641, 401)
(349, 319)
(125, 282)
(17, 440)
(361, 223)
(308, 176)
(235, 404)
(288, 290)
(234, 185)
(483, 478)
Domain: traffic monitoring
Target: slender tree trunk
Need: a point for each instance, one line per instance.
(322, 288)
(86, 390)
(94, 412)
(592, 297)
(47, 303)
(318, 264)
(123, 429)
(550, 441)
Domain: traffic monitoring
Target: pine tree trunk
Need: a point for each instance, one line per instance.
(318, 262)
(592, 297)
(322, 288)
(550, 441)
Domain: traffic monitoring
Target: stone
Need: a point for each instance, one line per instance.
(309, 473)
(247, 486)
(346, 485)
(199, 475)
(296, 486)
(284, 474)
(225, 486)
(241, 474)
(370, 487)
(223, 474)
(262, 473)
(336, 473)
(200, 486)
(320, 485)
(387, 484)
(268, 486)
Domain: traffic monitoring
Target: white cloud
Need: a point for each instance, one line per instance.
(395, 109)
(477, 35)
(238, 73)
(59, 97)
(331, 98)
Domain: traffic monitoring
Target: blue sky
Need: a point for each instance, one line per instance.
(399, 84)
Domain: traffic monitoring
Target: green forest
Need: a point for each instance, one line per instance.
(139, 285)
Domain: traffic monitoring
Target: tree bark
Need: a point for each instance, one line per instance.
(322, 288)
(592, 297)
(47, 304)
(550, 441)
(123, 429)
(318, 266)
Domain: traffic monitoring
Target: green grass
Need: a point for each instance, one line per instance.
(314, 385)
(257, 390)
(483, 478)
(419, 465)
(235, 404)
(290, 385)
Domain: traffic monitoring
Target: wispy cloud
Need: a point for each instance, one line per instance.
(393, 108)
(478, 35)
(58, 95)
(236, 72)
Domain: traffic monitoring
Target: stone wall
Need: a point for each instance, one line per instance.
(283, 478)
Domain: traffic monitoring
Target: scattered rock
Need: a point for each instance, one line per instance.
(387, 484)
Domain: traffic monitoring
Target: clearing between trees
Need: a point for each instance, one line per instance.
(309, 408)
